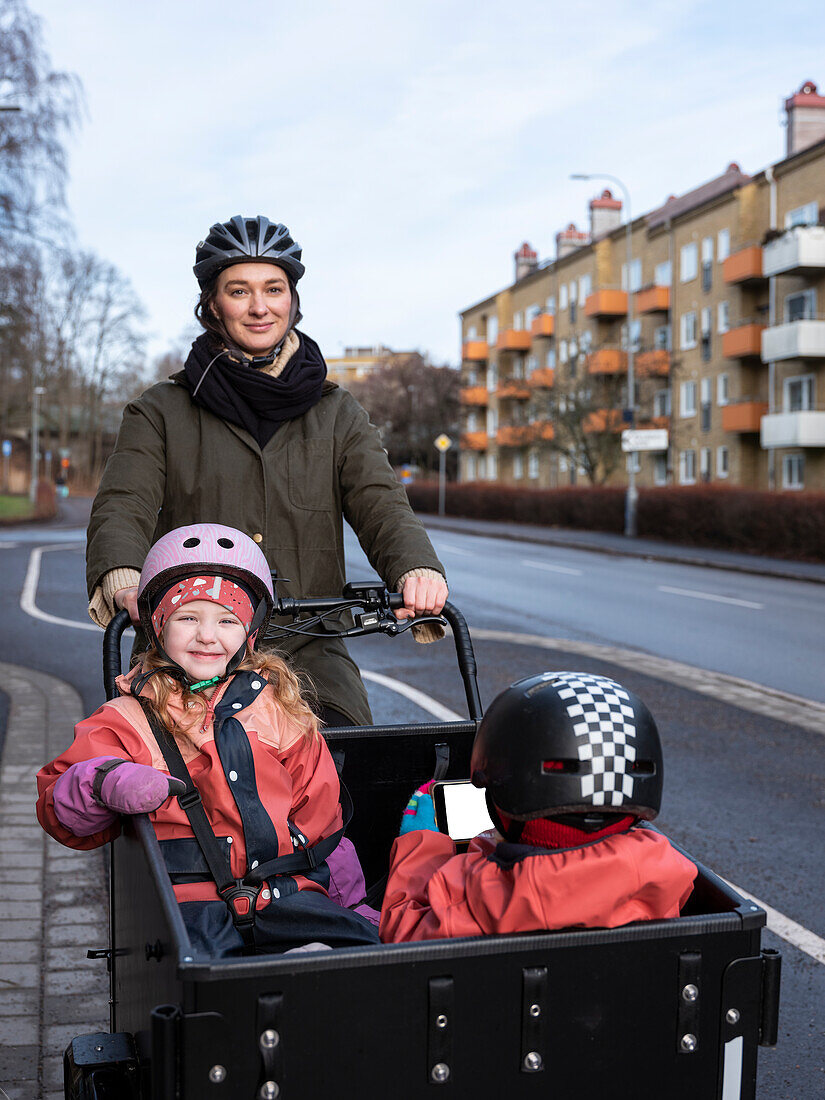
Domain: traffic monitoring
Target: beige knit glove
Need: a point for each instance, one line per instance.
(423, 632)
(102, 604)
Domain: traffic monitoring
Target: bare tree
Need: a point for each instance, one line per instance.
(411, 402)
(587, 420)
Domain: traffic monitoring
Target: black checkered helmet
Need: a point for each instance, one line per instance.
(243, 240)
(569, 743)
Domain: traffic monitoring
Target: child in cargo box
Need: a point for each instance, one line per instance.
(205, 715)
(572, 766)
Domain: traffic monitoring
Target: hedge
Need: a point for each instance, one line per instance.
(783, 525)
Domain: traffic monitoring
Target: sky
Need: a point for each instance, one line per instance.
(409, 147)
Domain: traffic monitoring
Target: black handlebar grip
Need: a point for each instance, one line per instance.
(111, 652)
(466, 658)
(395, 600)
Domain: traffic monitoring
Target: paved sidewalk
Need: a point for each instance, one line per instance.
(53, 902)
(605, 543)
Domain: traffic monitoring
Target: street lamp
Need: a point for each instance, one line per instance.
(37, 393)
(632, 493)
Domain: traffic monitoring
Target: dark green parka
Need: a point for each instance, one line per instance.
(176, 463)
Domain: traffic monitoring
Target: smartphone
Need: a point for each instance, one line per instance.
(460, 809)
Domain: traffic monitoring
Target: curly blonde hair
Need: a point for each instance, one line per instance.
(292, 693)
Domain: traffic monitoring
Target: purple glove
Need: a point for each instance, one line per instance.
(346, 880)
(89, 795)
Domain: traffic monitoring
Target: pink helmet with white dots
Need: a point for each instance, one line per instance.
(209, 548)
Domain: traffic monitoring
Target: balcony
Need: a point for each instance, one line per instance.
(474, 441)
(744, 416)
(603, 420)
(606, 303)
(474, 395)
(652, 364)
(513, 339)
(744, 266)
(743, 342)
(801, 250)
(513, 390)
(474, 350)
(607, 361)
(793, 429)
(514, 435)
(542, 378)
(541, 430)
(543, 325)
(795, 340)
(653, 299)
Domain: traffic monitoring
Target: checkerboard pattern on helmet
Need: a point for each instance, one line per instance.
(604, 725)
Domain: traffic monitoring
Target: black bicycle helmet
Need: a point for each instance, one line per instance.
(569, 743)
(241, 240)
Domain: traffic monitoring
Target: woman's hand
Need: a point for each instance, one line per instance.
(423, 596)
(126, 598)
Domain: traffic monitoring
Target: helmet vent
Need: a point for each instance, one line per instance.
(569, 767)
(189, 543)
(227, 544)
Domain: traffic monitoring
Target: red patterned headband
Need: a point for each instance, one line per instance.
(204, 587)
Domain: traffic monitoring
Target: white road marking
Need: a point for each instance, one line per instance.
(551, 568)
(795, 934)
(28, 595)
(426, 702)
(710, 596)
(7, 545)
(456, 550)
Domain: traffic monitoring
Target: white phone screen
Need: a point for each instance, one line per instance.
(466, 810)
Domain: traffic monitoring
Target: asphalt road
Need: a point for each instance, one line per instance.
(744, 793)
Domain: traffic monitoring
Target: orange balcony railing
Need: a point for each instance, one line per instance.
(474, 441)
(514, 339)
(541, 430)
(744, 416)
(743, 266)
(513, 391)
(743, 342)
(542, 378)
(474, 395)
(603, 420)
(652, 364)
(606, 303)
(543, 325)
(514, 435)
(474, 350)
(653, 299)
(607, 361)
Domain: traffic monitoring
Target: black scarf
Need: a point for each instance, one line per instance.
(249, 397)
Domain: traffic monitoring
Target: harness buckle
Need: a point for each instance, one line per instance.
(240, 893)
(189, 799)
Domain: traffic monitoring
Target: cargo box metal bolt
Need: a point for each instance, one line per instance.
(269, 1091)
(535, 1010)
(269, 1039)
(532, 1060)
(688, 1043)
(440, 1072)
(441, 1021)
(732, 1015)
(690, 993)
(217, 1074)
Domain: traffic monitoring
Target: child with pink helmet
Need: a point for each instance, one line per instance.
(216, 742)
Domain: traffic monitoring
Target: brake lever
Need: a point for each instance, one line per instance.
(396, 626)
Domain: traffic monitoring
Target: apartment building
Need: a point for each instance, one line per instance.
(722, 309)
(356, 364)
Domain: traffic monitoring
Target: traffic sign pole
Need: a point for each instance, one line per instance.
(442, 443)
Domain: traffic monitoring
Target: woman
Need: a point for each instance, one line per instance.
(253, 435)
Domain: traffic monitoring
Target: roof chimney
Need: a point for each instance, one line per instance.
(605, 214)
(806, 119)
(569, 240)
(526, 261)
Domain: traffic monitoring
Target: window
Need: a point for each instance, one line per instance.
(707, 263)
(551, 305)
(793, 472)
(635, 335)
(661, 338)
(518, 467)
(518, 321)
(687, 467)
(660, 469)
(573, 310)
(798, 394)
(662, 274)
(533, 312)
(704, 390)
(687, 399)
(563, 296)
(801, 306)
(472, 421)
(722, 245)
(687, 262)
(518, 367)
(492, 330)
(705, 319)
(722, 462)
(492, 467)
(635, 275)
(722, 317)
(722, 389)
(661, 403)
(802, 215)
(563, 351)
(688, 330)
(573, 291)
(492, 377)
(492, 422)
(472, 376)
(533, 465)
(633, 463)
(471, 333)
(586, 341)
(470, 467)
(585, 287)
(704, 464)
(532, 363)
(550, 359)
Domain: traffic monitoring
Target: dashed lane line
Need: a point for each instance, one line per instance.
(551, 568)
(697, 595)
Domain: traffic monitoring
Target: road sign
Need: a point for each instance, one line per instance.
(443, 442)
(405, 475)
(6, 448)
(644, 439)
